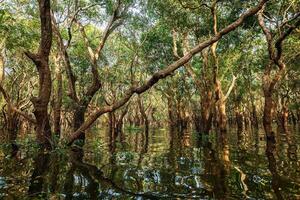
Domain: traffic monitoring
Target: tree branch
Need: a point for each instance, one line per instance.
(11, 106)
(231, 87)
(66, 59)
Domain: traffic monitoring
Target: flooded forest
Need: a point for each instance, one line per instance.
(150, 99)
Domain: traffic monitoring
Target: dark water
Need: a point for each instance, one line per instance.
(164, 165)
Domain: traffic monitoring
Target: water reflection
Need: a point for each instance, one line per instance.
(158, 164)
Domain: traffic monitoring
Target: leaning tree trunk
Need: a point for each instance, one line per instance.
(41, 61)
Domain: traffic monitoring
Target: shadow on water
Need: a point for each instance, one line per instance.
(158, 164)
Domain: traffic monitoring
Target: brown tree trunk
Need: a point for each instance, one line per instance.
(284, 117)
(1, 66)
(220, 108)
(293, 117)
(58, 99)
(172, 121)
(78, 119)
(41, 59)
(13, 122)
(143, 114)
(222, 116)
(240, 123)
(268, 113)
(206, 115)
(12, 128)
(254, 116)
(120, 121)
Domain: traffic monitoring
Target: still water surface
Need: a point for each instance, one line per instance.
(164, 165)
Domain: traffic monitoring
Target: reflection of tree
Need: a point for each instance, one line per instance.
(54, 172)
(69, 183)
(291, 146)
(271, 148)
(94, 176)
(287, 154)
(145, 145)
(76, 156)
(216, 166)
(38, 177)
(174, 152)
(44, 164)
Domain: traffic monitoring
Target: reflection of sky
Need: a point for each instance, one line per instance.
(2, 182)
(80, 180)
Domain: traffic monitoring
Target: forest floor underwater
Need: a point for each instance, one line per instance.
(162, 164)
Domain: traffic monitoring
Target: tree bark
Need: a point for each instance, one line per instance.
(144, 115)
(78, 119)
(41, 61)
(268, 113)
(1, 66)
(58, 98)
(206, 115)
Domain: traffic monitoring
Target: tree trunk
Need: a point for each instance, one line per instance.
(239, 123)
(41, 59)
(12, 126)
(58, 99)
(284, 117)
(171, 113)
(268, 113)
(1, 66)
(293, 117)
(206, 115)
(78, 119)
(254, 117)
(143, 114)
(221, 108)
